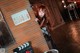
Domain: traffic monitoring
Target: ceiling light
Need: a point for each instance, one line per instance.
(62, 1)
(75, 2)
(64, 6)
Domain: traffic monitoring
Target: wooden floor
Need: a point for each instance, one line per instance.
(67, 37)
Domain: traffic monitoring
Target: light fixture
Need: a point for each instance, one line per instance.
(75, 2)
(64, 6)
(62, 1)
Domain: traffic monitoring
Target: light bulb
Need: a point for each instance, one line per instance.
(75, 2)
(62, 1)
(64, 6)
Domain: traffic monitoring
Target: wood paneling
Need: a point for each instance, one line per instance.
(73, 0)
(54, 11)
(28, 31)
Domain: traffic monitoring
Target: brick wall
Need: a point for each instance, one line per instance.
(28, 31)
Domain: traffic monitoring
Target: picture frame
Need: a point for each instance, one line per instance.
(20, 17)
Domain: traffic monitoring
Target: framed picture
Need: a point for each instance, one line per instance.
(20, 17)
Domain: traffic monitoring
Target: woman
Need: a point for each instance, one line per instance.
(42, 19)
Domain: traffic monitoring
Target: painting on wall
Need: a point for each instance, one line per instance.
(20, 17)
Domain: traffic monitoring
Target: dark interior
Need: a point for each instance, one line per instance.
(5, 37)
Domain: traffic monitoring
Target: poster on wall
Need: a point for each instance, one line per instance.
(20, 17)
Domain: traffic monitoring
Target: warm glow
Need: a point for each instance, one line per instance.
(74, 33)
(64, 6)
(62, 1)
(75, 2)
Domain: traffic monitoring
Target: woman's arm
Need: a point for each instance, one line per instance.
(42, 23)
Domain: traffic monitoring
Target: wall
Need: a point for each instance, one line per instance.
(54, 17)
(55, 12)
(73, 0)
(28, 31)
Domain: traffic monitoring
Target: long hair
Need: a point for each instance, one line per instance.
(36, 7)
